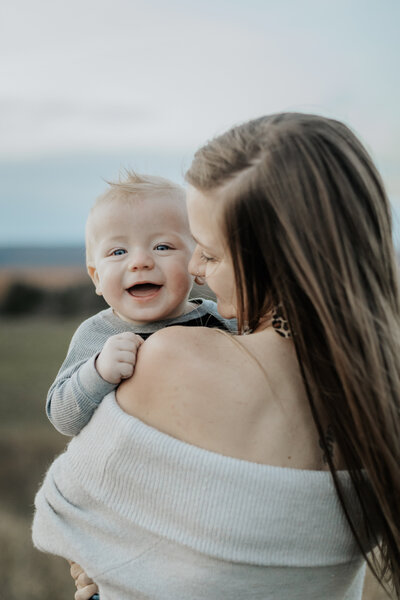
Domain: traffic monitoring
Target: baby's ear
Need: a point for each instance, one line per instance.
(95, 278)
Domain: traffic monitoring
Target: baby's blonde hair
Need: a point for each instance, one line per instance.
(130, 186)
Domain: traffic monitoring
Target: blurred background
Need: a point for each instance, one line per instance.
(90, 87)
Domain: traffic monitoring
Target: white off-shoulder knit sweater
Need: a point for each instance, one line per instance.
(151, 517)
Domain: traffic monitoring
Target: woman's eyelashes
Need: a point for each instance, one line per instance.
(206, 258)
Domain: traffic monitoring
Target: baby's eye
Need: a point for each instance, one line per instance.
(162, 247)
(118, 252)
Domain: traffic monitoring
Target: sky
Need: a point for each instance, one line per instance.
(88, 87)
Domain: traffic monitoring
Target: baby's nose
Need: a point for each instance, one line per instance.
(140, 260)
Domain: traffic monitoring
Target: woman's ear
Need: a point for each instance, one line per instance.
(94, 276)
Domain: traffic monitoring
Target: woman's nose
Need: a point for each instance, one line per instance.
(196, 266)
(140, 260)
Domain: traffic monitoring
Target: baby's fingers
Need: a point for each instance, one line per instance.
(126, 370)
(83, 580)
(75, 569)
(129, 345)
(132, 337)
(126, 356)
(86, 587)
(87, 592)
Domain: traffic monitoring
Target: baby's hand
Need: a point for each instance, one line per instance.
(118, 356)
(86, 588)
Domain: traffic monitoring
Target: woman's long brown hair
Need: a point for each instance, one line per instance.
(308, 224)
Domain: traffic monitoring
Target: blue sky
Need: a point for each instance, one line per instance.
(91, 86)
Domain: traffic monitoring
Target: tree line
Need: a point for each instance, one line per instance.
(22, 299)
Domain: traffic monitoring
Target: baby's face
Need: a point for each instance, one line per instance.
(141, 253)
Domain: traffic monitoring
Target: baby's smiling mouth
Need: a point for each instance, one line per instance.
(141, 290)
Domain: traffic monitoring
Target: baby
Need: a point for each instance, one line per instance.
(138, 247)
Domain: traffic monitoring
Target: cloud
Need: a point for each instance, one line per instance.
(122, 77)
(54, 109)
(98, 74)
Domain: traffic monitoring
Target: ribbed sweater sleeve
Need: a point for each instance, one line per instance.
(78, 388)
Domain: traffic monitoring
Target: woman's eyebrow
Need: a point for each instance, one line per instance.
(200, 243)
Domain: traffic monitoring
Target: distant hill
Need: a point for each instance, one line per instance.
(51, 256)
(43, 267)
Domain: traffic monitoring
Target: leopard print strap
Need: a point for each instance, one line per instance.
(279, 323)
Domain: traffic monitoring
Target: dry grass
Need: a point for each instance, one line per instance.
(373, 590)
(30, 355)
(24, 572)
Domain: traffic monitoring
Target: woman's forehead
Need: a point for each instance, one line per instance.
(204, 219)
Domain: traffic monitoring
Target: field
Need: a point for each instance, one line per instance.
(30, 355)
(31, 351)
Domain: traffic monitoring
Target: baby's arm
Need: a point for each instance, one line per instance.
(79, 386)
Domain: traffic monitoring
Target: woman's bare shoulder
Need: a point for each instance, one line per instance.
(171, 367)
(224, 394)
(171, 343)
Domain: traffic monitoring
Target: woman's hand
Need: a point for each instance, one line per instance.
(84, 585)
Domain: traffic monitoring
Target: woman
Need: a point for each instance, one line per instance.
(262, 465)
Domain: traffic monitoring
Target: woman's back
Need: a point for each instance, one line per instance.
(241, 397)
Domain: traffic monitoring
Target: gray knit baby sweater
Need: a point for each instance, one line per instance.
(78, 388)
(151, 517)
